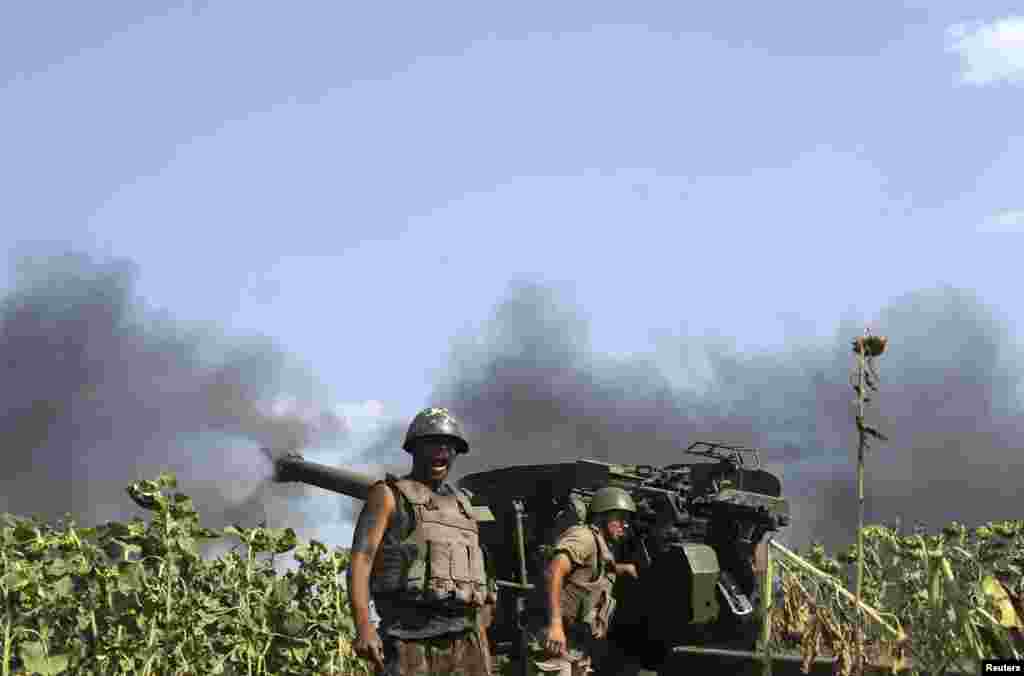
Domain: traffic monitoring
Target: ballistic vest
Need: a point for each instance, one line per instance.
(587, 591)
(440, 561)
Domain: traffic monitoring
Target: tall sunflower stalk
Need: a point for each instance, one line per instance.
(864, 380)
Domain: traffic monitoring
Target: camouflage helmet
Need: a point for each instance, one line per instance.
(435, 422)
(611, 498)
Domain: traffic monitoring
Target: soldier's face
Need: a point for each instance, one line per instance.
(434, 457)
(616, 524)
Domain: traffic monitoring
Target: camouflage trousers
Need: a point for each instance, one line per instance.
(450, 655)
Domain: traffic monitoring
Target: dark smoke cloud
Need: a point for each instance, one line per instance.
(99, 391)
(537, 390)
(531, 389)
(950, 402)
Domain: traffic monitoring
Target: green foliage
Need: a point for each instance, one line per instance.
(953, 592)
(137, 597)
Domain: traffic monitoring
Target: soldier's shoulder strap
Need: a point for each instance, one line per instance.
(603, 553)
(418, 494)
(465, 499)
(602, 545)
(415, 492)
(391, 481)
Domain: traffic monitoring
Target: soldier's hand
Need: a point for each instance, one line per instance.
(369, 646)
(630, 569)
(554, 640)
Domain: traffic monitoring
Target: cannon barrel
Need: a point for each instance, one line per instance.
(294, 467)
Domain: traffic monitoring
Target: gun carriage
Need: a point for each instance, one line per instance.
(697, 540)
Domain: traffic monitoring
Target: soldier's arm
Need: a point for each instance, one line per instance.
(576, 547)
(554, 575)
(370, 527)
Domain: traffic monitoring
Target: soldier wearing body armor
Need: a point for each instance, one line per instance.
(579, 579)
(416, 551)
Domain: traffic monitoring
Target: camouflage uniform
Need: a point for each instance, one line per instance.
(463, 654)
(429, 581)
(587, 605)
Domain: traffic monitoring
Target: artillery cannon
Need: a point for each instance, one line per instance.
(293, 467)
(695, 540)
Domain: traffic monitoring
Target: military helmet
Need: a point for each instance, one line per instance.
(610, 498)
(435, 422)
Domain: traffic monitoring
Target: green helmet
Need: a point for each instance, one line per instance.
(435, 422)
(610, 498)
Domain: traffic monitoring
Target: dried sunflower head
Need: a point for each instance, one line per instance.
(872, 346)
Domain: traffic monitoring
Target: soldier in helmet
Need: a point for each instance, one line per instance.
(416, 550)
(579, 579)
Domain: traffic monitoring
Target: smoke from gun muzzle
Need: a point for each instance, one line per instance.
(100, 391)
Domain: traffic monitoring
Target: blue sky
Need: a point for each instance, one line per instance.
(361, 183)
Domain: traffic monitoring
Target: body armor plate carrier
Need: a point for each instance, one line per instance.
(587, 591)
(440, 562)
